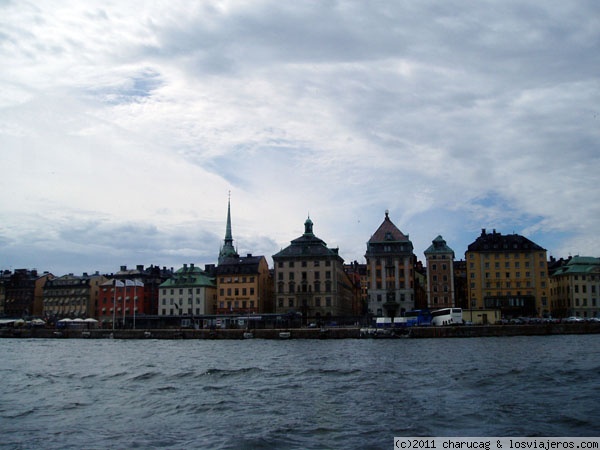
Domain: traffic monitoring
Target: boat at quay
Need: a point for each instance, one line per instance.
(309, 333)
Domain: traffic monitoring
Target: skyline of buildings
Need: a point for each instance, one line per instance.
(506, 272)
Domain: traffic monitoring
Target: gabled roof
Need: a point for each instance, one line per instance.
(388, 232)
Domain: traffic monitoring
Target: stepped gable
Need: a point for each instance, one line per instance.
(387, 232)
(496, 242)
(307, 245)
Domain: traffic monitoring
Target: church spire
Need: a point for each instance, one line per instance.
(227, 251)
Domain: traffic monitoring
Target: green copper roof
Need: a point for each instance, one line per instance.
(189, 276)
(579, 265)
(439, 246)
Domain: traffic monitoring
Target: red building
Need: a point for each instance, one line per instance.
(121, 300)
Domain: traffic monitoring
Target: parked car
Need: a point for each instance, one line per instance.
(573, 319)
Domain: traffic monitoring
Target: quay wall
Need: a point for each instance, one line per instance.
(308, 333)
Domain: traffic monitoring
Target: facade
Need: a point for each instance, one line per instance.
(575, 288)
(189, 292)
(151, 277)
(390, 270)
(4, 279)
(440, 275)
(310, 280)
(72, 296)
(358, 274)
(507, 272)
(244, 284)
(461, 293)
(120, 299)
(23, 291)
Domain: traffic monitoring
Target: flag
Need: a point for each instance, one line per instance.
(129, 283)
(138, 283)
(119, 283)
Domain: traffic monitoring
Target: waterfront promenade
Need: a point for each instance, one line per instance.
(308, 333)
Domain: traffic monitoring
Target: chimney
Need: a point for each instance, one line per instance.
(483, 232)
(140, 267)
(123, 268)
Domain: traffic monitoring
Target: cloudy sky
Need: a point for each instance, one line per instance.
(124, 126)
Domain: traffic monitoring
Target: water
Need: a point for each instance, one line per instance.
(293, 394)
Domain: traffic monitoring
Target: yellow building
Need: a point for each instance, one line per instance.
(244, 284)
(509, 273)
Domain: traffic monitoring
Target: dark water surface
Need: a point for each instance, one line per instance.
(293, 394)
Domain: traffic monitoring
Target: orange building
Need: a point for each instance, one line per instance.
(440, 275)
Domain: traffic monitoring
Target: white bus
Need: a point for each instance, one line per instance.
(447, 316)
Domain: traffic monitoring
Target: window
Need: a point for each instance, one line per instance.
(291, 302)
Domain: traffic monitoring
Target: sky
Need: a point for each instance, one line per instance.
(126, 126)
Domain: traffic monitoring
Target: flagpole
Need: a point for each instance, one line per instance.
(124, 295)
(134, 301)
(114, 302)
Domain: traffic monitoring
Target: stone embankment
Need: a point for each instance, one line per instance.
(309, 333)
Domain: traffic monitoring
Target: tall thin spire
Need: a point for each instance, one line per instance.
(228, 251)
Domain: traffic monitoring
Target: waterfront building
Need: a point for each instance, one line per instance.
(390, 269)
(72, 296)
(420, 286)
(575, 288)
(358, 274)
(24, 295)
(121, 300)
(440, 275)
(310, 280)
(189, 292)
(4, 278)
(244, 283)
(461, 293)
(151, 277)
(507, 272)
